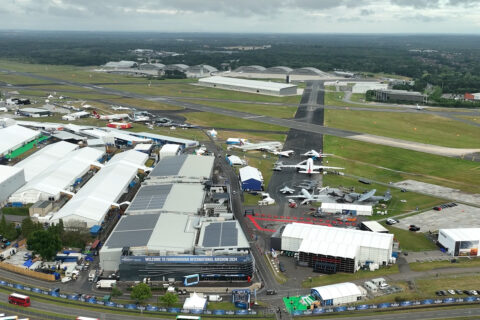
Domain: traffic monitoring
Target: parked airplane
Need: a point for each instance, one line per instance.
(270, 146)
(285, 153)
(119, 125)
(307, 166)
(118, 116)
(307, 196)
(116, 108)
(286, 190)
(366, 196)
(316, 154)
(266, 199)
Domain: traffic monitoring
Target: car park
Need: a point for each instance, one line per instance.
(458, 291)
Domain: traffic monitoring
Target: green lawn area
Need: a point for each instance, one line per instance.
(411, 241)
(189, 90)
(224, 305)
(18, 79)
(18, 152)
(425, 128)
(462, 263)
(471, 118)
(252, 136)
(358, 97)
(213, 120)
(445, 171)
(345, 277)
(267, 110)
(395, 206)
(144, 104)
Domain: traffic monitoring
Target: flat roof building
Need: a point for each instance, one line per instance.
(181, 198)
(400, 95)
(347, 208)
(461, 241)
(121, 64)
(182, 168)
(330, 250)
(252, 86)
(34, 112)
(161, 139)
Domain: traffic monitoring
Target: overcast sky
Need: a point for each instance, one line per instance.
(278, 16)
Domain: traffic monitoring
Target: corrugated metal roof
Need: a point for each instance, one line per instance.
(253, 84)
(180, 197)
(184, 166)
(462, 234)
(338, 290)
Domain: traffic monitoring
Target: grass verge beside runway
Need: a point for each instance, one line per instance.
(263, 110)
(461, 263)
(189, 90)
(385, 164)
(323, 280)
(424, 128)
(207, 119)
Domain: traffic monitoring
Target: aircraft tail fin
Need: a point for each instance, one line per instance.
(387, 196)
(95, 114)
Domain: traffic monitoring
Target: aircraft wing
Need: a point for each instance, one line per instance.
(367, 195)
(326, 168)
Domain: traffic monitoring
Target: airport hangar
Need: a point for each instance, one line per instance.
(331, 249)
(461, 241)
(253, 86)
(165, 234)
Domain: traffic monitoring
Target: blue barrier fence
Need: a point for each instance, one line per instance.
(385, 305)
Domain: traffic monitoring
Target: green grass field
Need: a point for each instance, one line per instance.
(379, 161)
(189, 90)
(144, 104)
(267, 110)
(462, 263)
(345, 277)
(411, 241)
(17, 79)
(425, 128)
(207, 119)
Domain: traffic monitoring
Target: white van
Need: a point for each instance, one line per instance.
(91, 276)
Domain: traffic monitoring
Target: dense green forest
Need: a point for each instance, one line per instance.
(450, 62)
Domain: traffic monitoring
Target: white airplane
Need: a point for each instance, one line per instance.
(118, 116)
(270, 146)
(307, 166)
(285, 153)
(316, 154)
(116, 108)
(306, 196)
(266, 199)
(286, 190)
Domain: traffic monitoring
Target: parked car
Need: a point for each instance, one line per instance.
(271, 292)
(391, 221)
(281, 267)
(458, 291)
(437, 208)
(451, 291)
(413, 228)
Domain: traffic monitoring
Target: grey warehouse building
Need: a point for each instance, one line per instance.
(182, 168)
(400, 95)
(162, 246)
(253, 86)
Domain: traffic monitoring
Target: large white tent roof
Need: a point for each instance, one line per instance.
(338, 290)
(342, 242)
(247, 173)
(44, 158)
(58, 176)
(15, 136)
(195, 302)
(95, 199)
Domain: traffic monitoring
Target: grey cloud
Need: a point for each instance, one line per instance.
(417, 3)
(366, 12)
(423, 18)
